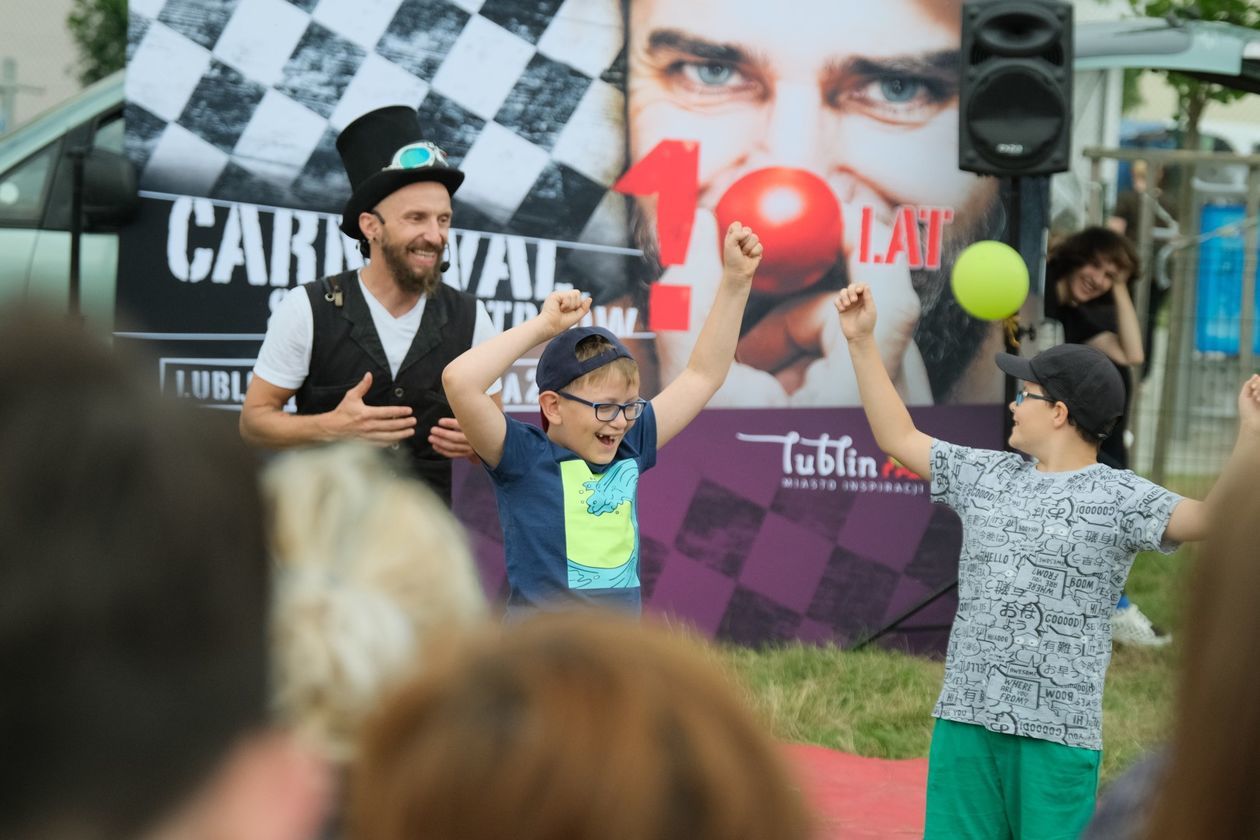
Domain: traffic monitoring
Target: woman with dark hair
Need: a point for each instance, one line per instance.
(1087, 291)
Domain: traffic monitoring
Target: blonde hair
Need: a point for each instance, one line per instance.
(572, 726)
(593, 345)
(369, 566)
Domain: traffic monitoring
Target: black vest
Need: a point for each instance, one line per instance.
(346, 345)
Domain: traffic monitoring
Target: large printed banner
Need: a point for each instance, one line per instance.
(606, 143)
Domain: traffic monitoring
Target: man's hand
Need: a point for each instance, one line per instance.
(856, 306)
(380, 424)
(741, 253)
(1249, 406)
(562, 310)
(447, 439)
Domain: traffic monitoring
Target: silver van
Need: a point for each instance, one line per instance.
(38, 162)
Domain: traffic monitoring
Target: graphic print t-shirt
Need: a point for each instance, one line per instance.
(570, 528)
(1044, 557)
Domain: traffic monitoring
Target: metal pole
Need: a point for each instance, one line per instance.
(1247, 312)
(1173, 362)
(76, 227)
(1141, 302)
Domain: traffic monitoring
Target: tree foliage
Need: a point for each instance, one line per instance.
(99, 29)
(1194, 94)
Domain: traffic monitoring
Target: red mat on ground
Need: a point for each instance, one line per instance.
(857, 797)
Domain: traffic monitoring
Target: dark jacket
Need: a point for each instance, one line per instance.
(346, 345)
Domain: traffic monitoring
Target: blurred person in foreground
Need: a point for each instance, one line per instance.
(133, 603)
(1203, 784)
(370, 567)
(575, 726)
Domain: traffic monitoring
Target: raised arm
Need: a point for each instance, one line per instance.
(1124, 346)
(264, 422)
(710, 360)
(890, 421)
(468, 377)
(1192, 520)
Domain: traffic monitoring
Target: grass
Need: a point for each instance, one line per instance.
(878, 703)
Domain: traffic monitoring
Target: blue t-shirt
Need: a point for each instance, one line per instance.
(570, 528)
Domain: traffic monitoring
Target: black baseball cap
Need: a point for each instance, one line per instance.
(559, 364)
(1080, 377)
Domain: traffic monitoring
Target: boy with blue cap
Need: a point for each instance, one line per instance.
(1047, 545)
(567, 493)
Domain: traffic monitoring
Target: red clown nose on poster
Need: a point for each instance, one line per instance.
(798, 220)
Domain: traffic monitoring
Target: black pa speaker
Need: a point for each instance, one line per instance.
(1015, 93)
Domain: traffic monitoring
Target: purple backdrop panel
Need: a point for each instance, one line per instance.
(765, 525)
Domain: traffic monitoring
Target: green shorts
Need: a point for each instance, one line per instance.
(984, 784)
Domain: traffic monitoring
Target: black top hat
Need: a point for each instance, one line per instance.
(370, 147)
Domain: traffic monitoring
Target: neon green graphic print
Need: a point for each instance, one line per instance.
(601, 525)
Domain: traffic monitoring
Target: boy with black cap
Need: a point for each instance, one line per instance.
(363, 351)
(567, 493)
(1047, 544)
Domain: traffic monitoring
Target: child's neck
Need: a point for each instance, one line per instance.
(1065, 456)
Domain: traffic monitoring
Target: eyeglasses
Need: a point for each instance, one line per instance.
(418, 156)
(1022, 395)
(607, 412)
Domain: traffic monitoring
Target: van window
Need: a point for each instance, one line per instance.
(22, 187)
(109, 134)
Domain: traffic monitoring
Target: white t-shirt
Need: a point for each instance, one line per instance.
(285, 357)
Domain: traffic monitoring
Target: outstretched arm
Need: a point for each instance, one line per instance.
(890, 421)
(467, 378)
(264, 421)
(1192, 520)
(681, 400)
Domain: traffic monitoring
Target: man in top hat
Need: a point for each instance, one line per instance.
(363, 351)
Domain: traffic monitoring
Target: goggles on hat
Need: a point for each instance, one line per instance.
(418, 156)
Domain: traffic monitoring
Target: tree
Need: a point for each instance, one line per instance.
(1194, 94)
(99, 29)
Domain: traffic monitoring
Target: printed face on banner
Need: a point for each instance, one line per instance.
(828, 125)
(861, 107)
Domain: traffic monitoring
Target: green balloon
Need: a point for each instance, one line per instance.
(990, 280)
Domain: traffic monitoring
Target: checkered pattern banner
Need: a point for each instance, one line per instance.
(242, 100)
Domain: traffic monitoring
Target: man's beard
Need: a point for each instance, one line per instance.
(947, 337)
(422, 280)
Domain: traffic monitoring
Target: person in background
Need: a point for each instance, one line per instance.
(1125, 219)
(573, 725)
